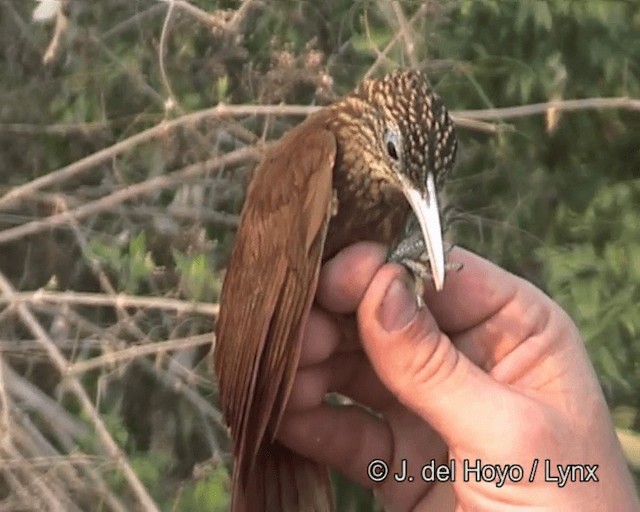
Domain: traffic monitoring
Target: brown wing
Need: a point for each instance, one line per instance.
(268, 291)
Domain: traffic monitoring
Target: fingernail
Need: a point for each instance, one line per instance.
(398, 307)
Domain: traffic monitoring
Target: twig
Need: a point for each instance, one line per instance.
(624, 103)
(383, 55)
(38, 490)
(118, 300)
(196, 12)
(5, 427)
(178, 385)
(136, 351)
(52, 480)
(239, 15)
(162, 129)
(58, 32)
(404, 29)
(146, 187)
(463, 118)
(56, 417)
(229, 220)
(76, 388)
(172, 100)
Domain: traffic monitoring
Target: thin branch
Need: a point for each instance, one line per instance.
(137, 351)
(405, 28)
(70, 129)
(623, 103)
(382, 56)
(229, 220)
(196, 12)
(61, 364)
(58, 33)
(463, 118)
(118, 300)
(160, 130)
(125, 194)
(38, 489)
(172, 100)
(33, 399)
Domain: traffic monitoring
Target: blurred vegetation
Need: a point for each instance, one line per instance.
(554, 197)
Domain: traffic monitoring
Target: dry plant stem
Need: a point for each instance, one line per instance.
(119, 300)
(5, 427)
(146, 187)
(221, 218)
(137, 351)
(64, 463)
(196, 12)
(239, 15)
(178, 385)
(54, 46)
(105, 284)
(382, 56)
(463, 118)
(61, 364)
(68, 465)
(48, 475)
(168, 378)
(58, 420)
(134, 21)
(137, 78)
(406, 30)
(18, 488)
(471, 118)
(221, 111)
(623, 103)
(37, 489)
(161, 50)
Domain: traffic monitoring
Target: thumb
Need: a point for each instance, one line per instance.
(420, 365)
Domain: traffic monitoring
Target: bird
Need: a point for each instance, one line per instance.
(367, 167)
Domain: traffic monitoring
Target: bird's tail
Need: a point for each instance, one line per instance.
(282, 481)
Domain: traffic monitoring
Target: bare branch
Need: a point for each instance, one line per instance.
(146, 187)
(137, 351)
(623, 103)
(118, 300)
(75, 386)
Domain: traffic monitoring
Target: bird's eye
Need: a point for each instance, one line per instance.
(392, 144)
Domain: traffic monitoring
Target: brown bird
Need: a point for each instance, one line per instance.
(353, 171)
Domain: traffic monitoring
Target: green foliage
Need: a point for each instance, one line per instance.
(208, 495)
(554, 202)
(594, 272)
(198, 282)
(132, 264)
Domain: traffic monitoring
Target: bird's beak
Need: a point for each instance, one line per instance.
(425, 207)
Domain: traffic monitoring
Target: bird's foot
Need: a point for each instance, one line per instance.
(411, 253)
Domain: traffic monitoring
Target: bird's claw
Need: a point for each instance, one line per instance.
(411, 253)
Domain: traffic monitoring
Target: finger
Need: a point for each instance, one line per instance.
(344, 279)
(471, 294)
(348, 439)
(421, 366)
(321, 338)
(349, 374)
(488, 311)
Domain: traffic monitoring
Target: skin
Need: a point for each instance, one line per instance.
(490, 369)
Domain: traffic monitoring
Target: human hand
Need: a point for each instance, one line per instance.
(490, 369)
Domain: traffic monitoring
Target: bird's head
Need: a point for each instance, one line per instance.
(413, 147)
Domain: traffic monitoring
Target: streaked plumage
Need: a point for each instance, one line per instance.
(329, 182)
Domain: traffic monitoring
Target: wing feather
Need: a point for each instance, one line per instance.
(267, 294)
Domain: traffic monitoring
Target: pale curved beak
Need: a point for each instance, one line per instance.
(425, 207)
